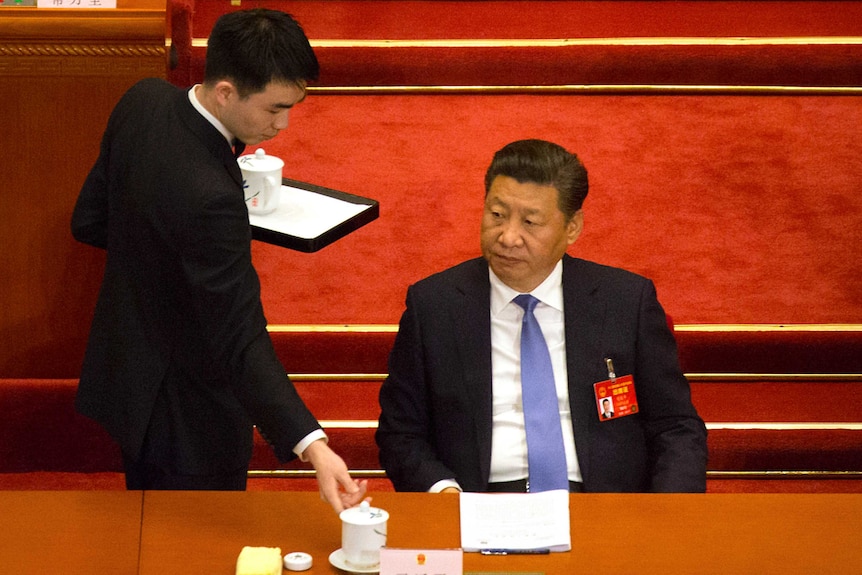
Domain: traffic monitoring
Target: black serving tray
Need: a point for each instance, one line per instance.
(310, 217)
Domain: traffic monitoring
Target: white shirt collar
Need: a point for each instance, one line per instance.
(549, 292)
(193, 98)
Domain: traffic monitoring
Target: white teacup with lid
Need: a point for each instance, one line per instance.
(261, 181)
(363, 533)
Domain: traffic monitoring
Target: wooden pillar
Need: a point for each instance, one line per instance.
(61, 72)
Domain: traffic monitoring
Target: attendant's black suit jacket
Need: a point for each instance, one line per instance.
(178, 344)
(436, 403)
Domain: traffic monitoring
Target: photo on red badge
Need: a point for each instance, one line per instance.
(616, 397)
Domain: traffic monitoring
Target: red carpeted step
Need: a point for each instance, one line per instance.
(785, 449)
(776, 400)
(41, 431)
(807, 485)
(592, 43)
(489, 19)
(277, 483)
(702, 350)
(686, 64)
(350, 349)
(770, 350)
(347, 399)
(355, 445)
(63, 480)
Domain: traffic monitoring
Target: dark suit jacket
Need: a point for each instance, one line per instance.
(178, 343)
(436, 403)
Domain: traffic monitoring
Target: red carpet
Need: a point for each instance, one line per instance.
(591, 43)
(743, 209)
(429, 19)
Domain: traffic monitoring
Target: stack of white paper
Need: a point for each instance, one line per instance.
(515, 521)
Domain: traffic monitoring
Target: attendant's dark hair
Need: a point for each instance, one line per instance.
(252, 48)
(544, 163)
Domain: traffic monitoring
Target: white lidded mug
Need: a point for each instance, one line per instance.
(363, 533)
(261, 181)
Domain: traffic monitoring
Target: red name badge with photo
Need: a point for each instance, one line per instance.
(616, 397)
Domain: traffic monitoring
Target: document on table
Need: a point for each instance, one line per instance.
(515, 521)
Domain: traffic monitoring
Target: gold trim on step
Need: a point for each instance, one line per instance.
(766, 377)
(338, 377)
(784, 426)
(379, 473)
(333, 328)
(784, 474)
(710, 425)
(701, 327)
(565, 42)
(310, 473)
(692, 377)
(591, 89)
(758, 327)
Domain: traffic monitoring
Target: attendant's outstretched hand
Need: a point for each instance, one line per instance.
(336, 486)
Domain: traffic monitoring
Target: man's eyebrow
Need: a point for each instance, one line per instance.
(498, 203)
(495, 200)
(284, 106)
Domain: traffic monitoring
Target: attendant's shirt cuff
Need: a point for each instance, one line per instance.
(443, 484)
(300, 447)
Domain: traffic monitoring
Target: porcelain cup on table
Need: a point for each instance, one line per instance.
(363, 533)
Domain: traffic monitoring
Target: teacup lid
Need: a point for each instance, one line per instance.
(260, 161)
(364, 514)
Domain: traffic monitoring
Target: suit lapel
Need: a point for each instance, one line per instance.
(584, 319)
(472, 313)
(217, 145)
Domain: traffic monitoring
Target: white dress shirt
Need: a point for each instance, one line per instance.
(193, 98)
(509, 439)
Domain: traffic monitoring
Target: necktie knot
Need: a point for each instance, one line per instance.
(527, 302)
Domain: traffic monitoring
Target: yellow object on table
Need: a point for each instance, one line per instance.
(259, 561)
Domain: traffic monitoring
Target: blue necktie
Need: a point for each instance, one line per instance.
(546, 454)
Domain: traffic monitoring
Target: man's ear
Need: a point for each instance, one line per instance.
(224, 91)
(575, 227)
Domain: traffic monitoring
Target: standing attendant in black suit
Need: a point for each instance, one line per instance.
(179, 365)
(451, 414)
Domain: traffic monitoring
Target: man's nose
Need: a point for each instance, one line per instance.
(282, 119)
(510, 235)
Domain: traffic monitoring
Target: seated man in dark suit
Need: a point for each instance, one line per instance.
(452, 415)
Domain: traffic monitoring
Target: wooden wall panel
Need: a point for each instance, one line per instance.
(61, 72)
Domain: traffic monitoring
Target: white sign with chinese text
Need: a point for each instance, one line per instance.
(421, 561)
(76, 4)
